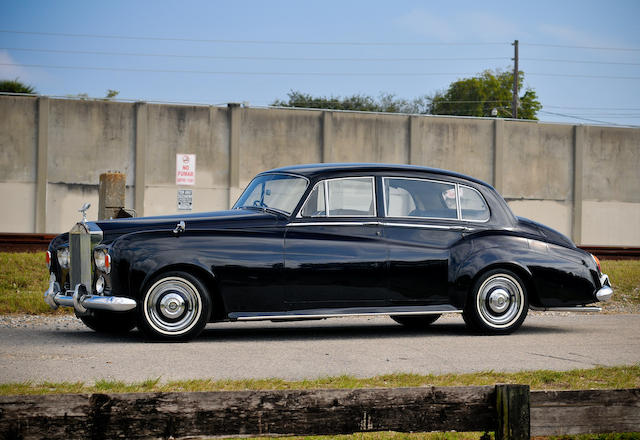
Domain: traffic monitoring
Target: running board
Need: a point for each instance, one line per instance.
(340, 313)
(566, 309)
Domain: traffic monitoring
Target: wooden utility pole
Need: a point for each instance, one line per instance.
(514, 105)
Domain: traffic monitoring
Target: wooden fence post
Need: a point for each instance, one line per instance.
(514, 412)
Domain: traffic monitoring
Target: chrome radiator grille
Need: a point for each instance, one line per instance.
(80, 256)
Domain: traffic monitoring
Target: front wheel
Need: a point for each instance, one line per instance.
(176, 306)
(498, 303)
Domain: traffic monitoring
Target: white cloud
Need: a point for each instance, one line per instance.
(10, 69)
(471, 26)
(570, 35)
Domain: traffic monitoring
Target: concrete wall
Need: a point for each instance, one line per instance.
(582, 180)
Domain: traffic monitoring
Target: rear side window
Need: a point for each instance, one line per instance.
(346, 197)
(420, 198)
(473, 205)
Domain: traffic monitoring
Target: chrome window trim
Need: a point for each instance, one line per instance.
(384, 198)
(325, 183)
(483, 199)
(377, 223)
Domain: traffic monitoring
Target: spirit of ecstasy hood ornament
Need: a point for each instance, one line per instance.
(83, 210)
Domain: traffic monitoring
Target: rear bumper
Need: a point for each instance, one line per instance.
(81, 301)
(604, 293)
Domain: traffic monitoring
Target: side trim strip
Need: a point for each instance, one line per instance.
(342, 315)
(566, 309)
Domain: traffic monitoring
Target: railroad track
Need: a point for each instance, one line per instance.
(13, 242)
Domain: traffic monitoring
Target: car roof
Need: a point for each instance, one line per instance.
(323, 169)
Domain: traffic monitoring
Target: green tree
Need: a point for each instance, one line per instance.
(479, 95)
(16, 86)
(386, 102)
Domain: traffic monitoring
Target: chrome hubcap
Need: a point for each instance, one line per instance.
(172, 306)
(500, 300)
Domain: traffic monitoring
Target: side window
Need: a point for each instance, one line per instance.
(473, 205)
(420, 198)
(314, 206)
(351, 197)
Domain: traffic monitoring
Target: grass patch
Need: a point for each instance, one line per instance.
(24, 279)
(594, 378)
(625, 280)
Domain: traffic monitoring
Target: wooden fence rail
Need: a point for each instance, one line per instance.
(509, 410)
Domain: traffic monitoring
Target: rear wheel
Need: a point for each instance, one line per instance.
(416, 322)
(175, 306)
(110, 322)
(498, 303)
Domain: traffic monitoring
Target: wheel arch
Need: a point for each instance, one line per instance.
(207, 278)
(521, 271)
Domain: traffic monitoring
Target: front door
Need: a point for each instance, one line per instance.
(335, 256)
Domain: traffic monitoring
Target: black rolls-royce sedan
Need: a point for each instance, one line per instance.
(320, 241)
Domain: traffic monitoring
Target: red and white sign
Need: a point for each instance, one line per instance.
(185, 169)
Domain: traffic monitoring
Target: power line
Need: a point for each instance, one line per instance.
(215, 72)
(571, 75)
(593, 108)
(225, 41)
(216, 57)
(579, 118)
(630, 49)
(558, 60)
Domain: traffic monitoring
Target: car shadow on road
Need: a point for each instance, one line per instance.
(273, 332)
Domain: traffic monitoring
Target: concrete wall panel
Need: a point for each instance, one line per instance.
(538, 161)
(88, 138)
(362, 137)
(269, 140)
(63, 202)
(556, 215)
(610, 223)
(612, 164)
(18, 138)
(18, 200)
(190, 130)
(462, 145)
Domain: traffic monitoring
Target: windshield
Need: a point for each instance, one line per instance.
(280, 192)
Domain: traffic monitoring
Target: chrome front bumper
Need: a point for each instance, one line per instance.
(81, 301)
(605, 292)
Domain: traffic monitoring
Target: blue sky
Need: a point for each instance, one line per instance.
(257, 51)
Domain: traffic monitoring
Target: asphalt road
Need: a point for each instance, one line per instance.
(61, 349)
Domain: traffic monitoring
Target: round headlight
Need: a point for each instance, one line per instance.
(63, 258)
(102, 260)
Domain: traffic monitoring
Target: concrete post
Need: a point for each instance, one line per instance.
(327, 129)
(42, 165)
(579, 137)
(234, 151)
(111, 192)
(413, 141)
(141, 152)
(498, 155)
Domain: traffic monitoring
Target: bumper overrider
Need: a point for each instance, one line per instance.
(81, 301)
(604, 293)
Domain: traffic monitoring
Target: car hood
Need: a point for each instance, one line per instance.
(205, 220)
(550, 234)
